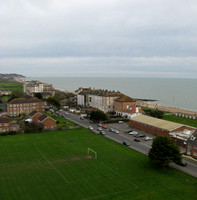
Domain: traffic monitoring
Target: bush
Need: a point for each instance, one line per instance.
(33, 127)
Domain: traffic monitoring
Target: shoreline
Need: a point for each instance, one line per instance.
(166, 108)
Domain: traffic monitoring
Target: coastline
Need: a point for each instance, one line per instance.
(166, 108)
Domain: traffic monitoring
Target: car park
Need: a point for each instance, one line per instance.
(137, 140)
(126, 143)
(105, 127)
(90, 127)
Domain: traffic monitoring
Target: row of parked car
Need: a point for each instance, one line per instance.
(138, 135)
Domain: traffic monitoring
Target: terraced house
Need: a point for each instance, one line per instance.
(97, 98)
(25, 104)
(191, 148)
(7, 125)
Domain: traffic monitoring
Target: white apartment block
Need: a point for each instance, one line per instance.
(100, 99)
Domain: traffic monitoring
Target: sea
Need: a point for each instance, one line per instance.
(178, 93)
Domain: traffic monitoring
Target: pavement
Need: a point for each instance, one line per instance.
(142, 146)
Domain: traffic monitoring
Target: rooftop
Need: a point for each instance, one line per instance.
(155, 122)
(4, 120)
(124, 98)
(25, 99)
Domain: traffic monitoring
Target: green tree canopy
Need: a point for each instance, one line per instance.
(98, 115)
(16, 94)
(164, 151)
(53, 101)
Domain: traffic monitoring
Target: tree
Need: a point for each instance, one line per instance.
(1, 109)
(53, 101)
(98, 115)
(33, 127)
(16, 94)
(164, 151)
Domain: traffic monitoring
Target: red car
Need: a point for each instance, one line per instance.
(105, 127)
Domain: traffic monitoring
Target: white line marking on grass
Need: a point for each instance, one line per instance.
(60, 174)
(104, 195)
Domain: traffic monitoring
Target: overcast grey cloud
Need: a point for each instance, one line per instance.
(154, 38)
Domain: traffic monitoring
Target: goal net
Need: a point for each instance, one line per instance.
(92, 153)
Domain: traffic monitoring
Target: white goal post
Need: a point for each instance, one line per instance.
(94, 152)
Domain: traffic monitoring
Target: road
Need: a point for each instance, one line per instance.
(142, 146)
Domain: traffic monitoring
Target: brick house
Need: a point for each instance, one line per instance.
(178, 132)
(48, 122)
(191, 147)
(7, 125)
(35, 115)
(123, 103)
(25, 104)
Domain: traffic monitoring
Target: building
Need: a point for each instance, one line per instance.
(7, 125)
(131, 112)
(179, 132)
(191, 147)
(25, 104)
(48, 122)
(97, 98)
(33, 87)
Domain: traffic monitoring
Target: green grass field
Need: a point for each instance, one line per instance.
(11, 85)
(55, 165)
(181, 120)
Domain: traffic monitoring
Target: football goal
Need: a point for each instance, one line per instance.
(92, 152)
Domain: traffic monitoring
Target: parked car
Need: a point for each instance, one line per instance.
(148, 138)
(133, 133)
(182, 164)
(116, 131)
(137, 140)
(141, 135)
(90, 127)
(129, 131)
(111, 129)
(126, 143)
(99, 129)
(102, 132)
(100, 125)
(120, 122)
(82, 118)
(92, 122)
(105, 127)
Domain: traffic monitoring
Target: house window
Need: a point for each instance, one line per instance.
(188, 152)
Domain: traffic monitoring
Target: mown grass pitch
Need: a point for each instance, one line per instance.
(55, 165)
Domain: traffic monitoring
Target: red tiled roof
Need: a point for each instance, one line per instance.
(134, 110)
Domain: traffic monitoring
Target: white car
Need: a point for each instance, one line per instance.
(148, 138)
(90, 127)
(133, 133)
(116, 131)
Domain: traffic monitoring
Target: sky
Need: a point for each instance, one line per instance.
(115, 38)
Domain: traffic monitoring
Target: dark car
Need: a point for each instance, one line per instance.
(129, 131)
(141, 135)
(126, 143)
(182, 164)
(137, 140)
(92, 122)
(82, 118)
(102, 132)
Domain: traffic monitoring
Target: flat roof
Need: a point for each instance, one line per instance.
(158, 123)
